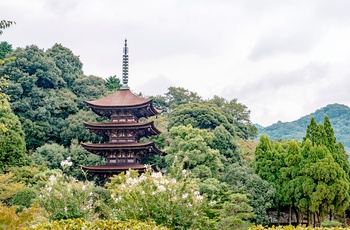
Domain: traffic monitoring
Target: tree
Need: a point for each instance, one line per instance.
(242, 179)
(235, 213)
(239, 116)
(50, 155)
(269, 159)
(5, 24)
(12, 139)
(69, 64)
(227, 145)
(200, 115)
(177, 96)
(5, 48)
(113, 83)
(191, 146)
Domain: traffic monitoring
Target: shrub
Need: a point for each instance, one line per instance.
(65, 198)
(331, 223)
(10, 219)
(77, 224)
(153, 197)
(24, 197)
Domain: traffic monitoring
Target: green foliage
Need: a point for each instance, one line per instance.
(242, 179)
(69, 64)
(191, 146)
(66, 198)
(178, 96)
(235, 213)
(200, 115)
(12, 140)
(113, 83)
(77, 224)
(5, 24)
(239, 115)
(175, 203)
(10, 218)
(45, 88)
(75, 128)
(50, 155)
(5, 48)
(290, 227)
(24, 197)
(227, 145)
(8, 188)
(89, 88)
(331, 223)
(26, 174)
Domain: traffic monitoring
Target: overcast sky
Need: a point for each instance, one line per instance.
(282, 59)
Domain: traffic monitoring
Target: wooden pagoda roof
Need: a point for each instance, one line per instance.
(122, 99)
(109, 147)
(124, 126)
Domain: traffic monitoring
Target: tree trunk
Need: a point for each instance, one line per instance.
(330, 215)
(290, 215)
(297, 215)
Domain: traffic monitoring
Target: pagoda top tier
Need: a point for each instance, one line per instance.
(123, 101)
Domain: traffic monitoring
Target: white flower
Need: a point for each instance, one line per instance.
(184, 196)
(127, 173)
(49, 189)
(212, 203)
(199, 197)
(157, 175)
(65, 209)
(83, 188)
(189, 205)
(161, 188)
(90, 194)
(143, 192)
(183, 171)
(66, 162)
(52, 179)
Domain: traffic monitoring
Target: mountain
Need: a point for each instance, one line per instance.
(338, 114)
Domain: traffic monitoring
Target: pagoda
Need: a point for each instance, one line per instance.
(123, 151)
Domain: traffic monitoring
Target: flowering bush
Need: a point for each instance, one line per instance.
(175, 203)
(64, 197)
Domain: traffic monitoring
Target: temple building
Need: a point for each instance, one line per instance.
(123, 151)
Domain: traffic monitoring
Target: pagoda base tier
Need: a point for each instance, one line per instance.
(116, 169)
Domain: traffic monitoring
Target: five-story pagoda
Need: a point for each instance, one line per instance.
(124, 109)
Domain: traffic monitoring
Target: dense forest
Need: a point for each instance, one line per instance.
(216, 176)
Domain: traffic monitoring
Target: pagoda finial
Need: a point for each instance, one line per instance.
(125, 66)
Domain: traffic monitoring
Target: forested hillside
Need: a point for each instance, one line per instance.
(338, 114)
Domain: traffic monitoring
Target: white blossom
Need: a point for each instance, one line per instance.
(212, 203)
(161, 188)
(184, 196)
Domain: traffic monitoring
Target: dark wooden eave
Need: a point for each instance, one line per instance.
(147, 126)
(115, 169)
(105, 149)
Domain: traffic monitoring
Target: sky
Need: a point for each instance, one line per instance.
(282, 59)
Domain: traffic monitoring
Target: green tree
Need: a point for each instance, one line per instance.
(177, 96)
(227, 145)
(50, 155)
(239, 116)
(191, 146)
(12, 139)
(5, 48)
(5, 24)
(69, 64)
(200, 115)
(113, 83)
(236, 213)
(269, 159)
(242, 179)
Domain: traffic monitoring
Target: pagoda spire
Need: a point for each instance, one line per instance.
(125, 66)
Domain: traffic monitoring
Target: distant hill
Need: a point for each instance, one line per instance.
(338, 114)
